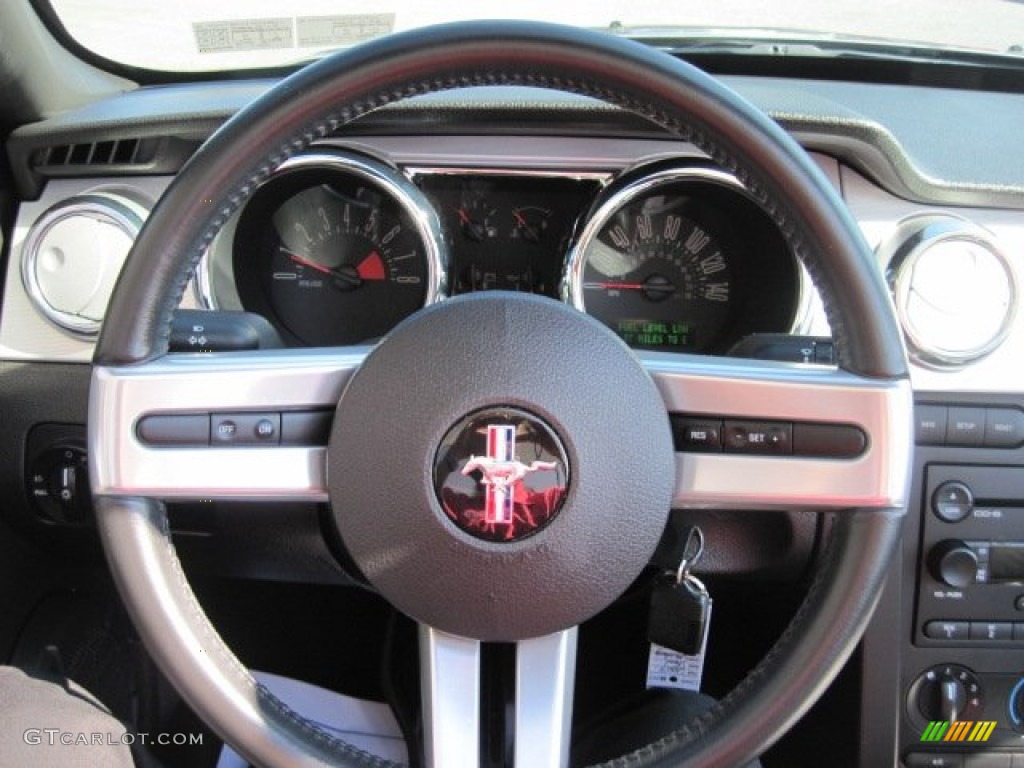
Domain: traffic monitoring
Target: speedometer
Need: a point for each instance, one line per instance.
(659, 278)
(667, 261)
(337, 249)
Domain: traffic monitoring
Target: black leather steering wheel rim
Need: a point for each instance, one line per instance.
(315, 102)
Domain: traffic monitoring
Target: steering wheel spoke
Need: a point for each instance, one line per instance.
(451, 693)
(140, 450)
(787, 397)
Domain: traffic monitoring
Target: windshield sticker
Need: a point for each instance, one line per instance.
(306, 31)
(334, 31)
(243, 35)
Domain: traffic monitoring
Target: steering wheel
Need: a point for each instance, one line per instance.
(499, 361)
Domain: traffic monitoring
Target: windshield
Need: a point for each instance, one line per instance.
(200, 35)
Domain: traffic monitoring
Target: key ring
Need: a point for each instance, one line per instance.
(692, 551)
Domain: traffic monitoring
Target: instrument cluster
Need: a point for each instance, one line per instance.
(337, 248)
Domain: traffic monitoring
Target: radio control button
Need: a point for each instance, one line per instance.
(930, 424)
(947, 630)
(983, 549)
(991, 630)
(1004, 428)
(989, 760)
(952, 501)
(966, 426)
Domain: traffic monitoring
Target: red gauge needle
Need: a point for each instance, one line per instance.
(651, 287)
(306, 262)
(619, 286)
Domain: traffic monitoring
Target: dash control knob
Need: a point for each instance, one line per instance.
(954, 563)
(947, 692)
(58, 484)
(1016, 706)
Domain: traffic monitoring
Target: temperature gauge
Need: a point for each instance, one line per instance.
(530, 223)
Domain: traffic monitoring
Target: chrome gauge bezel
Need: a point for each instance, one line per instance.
(576, 261)
(107, 206)
(386, 178)
(642, 180)
(914, 236)
(395, 183)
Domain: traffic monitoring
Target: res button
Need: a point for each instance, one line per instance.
(696, 434)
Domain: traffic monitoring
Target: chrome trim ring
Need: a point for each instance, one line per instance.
(108, 207)
(572, 283)
(387, 178)
(915, 237)
(575, 263)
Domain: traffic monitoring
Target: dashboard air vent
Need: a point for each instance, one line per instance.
(118, 152)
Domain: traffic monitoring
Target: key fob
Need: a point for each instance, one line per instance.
(680, 615)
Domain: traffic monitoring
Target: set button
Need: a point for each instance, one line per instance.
(758, 437)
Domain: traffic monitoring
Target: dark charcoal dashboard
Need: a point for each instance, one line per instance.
(560, 198)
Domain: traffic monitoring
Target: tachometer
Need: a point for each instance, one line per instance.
(337, 249)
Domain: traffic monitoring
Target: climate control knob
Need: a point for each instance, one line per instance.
(1016, 706)
(954, 563)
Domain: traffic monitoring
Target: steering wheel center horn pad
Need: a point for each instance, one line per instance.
(471, 360)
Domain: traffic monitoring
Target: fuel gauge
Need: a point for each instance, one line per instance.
(477, 218)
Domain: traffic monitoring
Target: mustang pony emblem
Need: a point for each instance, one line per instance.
(501, 470)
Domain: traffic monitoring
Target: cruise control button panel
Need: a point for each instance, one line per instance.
(235, 429)
(706, 434)
(245, 429)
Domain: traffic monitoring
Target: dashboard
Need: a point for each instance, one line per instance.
(552, 196)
